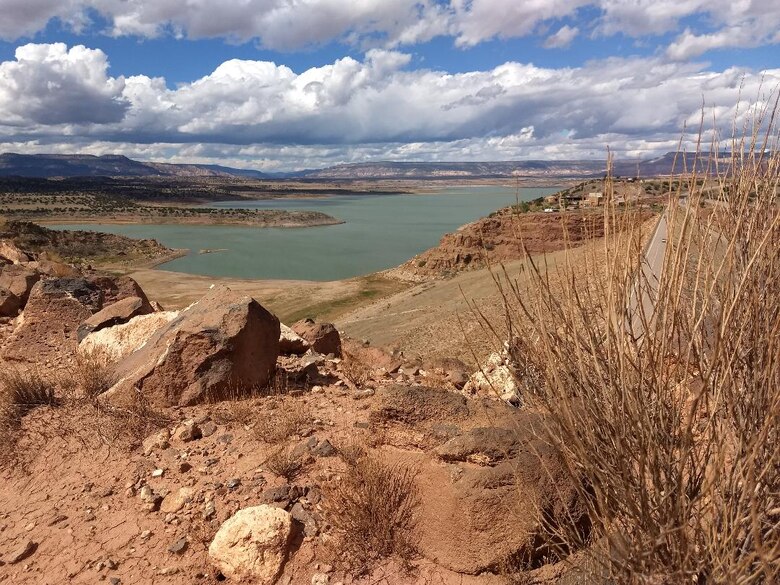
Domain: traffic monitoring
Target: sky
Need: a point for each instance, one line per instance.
(279, 85)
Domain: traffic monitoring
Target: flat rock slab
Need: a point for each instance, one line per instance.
(114, 314)
(224, 344)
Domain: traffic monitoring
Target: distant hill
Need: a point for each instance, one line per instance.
(460, 170)
(111, 165)
(83, 165)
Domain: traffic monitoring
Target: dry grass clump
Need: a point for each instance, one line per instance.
(91, 375)
(371, 508)
(27, 388)
(288, 420)
(667, 412)
(21, 390)
(285, 463)
(124, 426)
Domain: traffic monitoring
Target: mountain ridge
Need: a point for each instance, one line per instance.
(113, 165)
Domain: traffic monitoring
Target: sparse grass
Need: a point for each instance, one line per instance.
(91, 374)
(287, 420)
(27, 388)
(21, 390)
(371, 508)
(371, 288)
(284, 463)
(668, 418)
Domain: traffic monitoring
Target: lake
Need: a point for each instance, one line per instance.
(381, 231)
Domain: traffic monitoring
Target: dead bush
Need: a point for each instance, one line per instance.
(371, 509)
(285, 463)
(27, 388)
(21, 390)
(91, 375)
(661, 385)
(288, 420)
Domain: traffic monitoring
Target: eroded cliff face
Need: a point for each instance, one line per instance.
(502, 237)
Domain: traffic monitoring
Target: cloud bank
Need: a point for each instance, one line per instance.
(53, 96)
(291, 25)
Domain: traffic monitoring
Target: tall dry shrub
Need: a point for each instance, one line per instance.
(662, 388)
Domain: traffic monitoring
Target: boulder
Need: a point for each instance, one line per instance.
(9, 303)
(481, 445)
(222, 344)
(484, 516)
(120, 341)
(19, 280)
(323, 338)
(54, 268)
(116, 288)
(114, 314)
(10, 252)
(252, 545)
(47, 331)
(290, 343)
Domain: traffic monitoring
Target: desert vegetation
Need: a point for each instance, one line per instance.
(666, 413)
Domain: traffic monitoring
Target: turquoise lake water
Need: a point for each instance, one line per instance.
(381, 231)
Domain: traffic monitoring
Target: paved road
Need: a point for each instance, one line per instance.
(646, 285)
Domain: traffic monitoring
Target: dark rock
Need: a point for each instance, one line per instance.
(284, 493)
(300, 514)
(22, 552)
(484, 445)
(179, 546)
(324, 449)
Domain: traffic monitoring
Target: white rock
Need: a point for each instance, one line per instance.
(290, 342)
(496, 380)
(252, 545)
(122, 340)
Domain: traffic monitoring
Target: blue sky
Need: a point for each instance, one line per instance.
(282, 84)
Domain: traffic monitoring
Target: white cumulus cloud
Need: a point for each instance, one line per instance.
(53, 97)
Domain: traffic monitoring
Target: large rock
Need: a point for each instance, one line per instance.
(120, 341)
(224, 343)
(19, 280)
(55, 309)
(117, 288)
(10, 252)
(252, 545)
(9, 303)
(114, 314)
(290, 343)
(484, 516)
(323, 338)
(481, 445)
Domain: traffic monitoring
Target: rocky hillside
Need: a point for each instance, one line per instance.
(500, 238)
(84, 246)
(216, 444)
(113, 165)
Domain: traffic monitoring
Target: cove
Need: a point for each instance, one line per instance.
(381, 231)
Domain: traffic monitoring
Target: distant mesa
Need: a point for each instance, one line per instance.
(82, 165)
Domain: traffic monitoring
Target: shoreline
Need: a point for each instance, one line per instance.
(92, 220)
